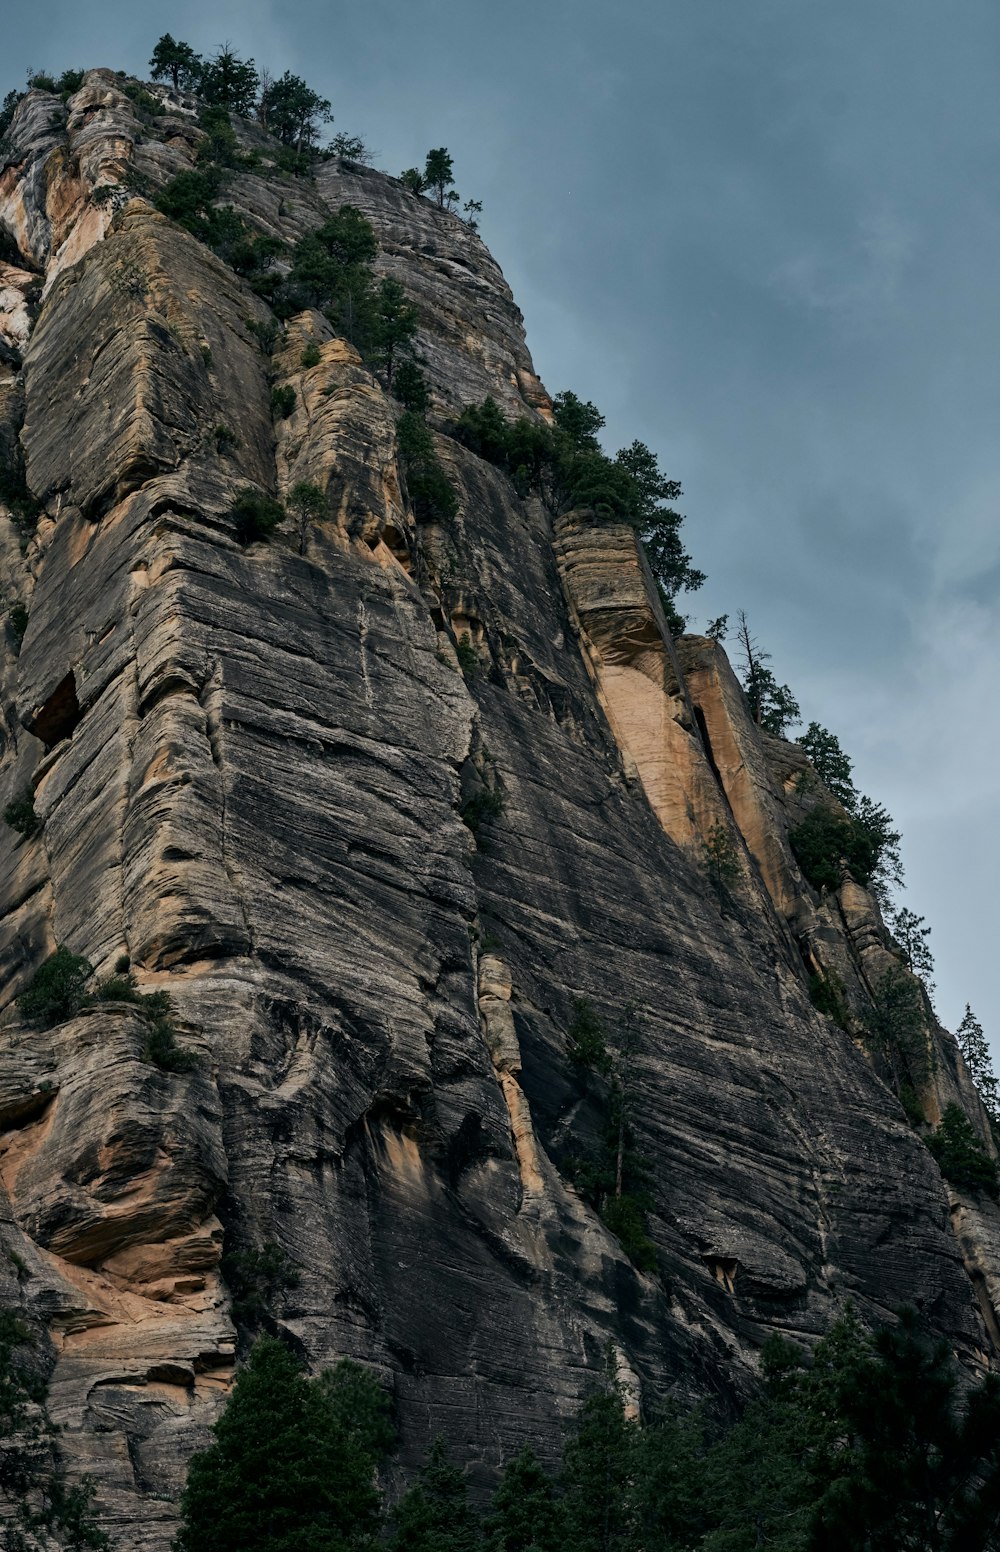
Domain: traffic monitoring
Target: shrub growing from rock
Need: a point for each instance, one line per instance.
(20, 814)
(255, 516)
(57, 990)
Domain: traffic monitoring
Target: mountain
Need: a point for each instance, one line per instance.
(362, 827)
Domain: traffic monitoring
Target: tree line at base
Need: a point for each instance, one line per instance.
(871, 1443)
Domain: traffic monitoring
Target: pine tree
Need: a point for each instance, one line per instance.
(911, 934)
(524, 1515)
(438, 174)
(290, 110)
(772, 705)
(434, 1515)
(884, 839)
(395, 327)
(975, 1048)
(831, 764)
(178, 61)
(597, 1470)
(229, 82)
(289, 1471)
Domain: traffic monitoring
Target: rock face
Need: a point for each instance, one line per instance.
(252, 764)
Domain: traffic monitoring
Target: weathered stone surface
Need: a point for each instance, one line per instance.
(251, 767)
(472, 335)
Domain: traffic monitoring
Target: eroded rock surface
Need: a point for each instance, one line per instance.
(254, 769)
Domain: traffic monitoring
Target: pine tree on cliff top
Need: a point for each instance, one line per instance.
(975, 1048)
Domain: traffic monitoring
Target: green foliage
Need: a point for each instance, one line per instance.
(429, 489)
(161, 1048)
(350, 148)
(293, 112)
(625, 1215)
(225, 438)
(566, 466)
(614, 1179)
(831, 764)
(20, 814)
(410, 387)
(267, 333)
(57, 990)
(289, 1469)
(220, 145)
(147, 105)
(38, 1507)
(597, 1475)
(525, 1515)
(41, 81)
(824, 843)
(307, 505)
(434, 1514)
(177, 60)
(883, 838)
(7, 110)
(483, 807)
(331, 271)
(437, 174)
(876, 1445)
(394, 328)
(17, 615)
(229, 82)
(413, 179)
(912, 1106)
(975, 1048)
(255, 1279)
(255, 515)
(311, 356)
(826, 993)
(716, 630)
(961, 1156)
(282, 401)
(911, 934)
(17, 497)
(468, 658)
(722, 857)
(772, 705)
(585, 1039)
(896, 1029)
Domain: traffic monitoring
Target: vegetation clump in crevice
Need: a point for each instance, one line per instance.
(722, 859)
(960, 1155)
(615, 1177)
(20, 814)
(40, 1509)
(896, 1031)
(484, 807)
(566, 466)
(826, 993)
(25, 509)
(58, 991)
(255, 1279)
(255, 516)
(156, 1009)
(428, 487)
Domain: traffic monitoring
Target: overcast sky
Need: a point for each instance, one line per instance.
(764, 237)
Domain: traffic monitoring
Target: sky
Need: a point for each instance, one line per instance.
(763, 236)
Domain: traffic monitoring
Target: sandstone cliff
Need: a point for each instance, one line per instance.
(250, 765)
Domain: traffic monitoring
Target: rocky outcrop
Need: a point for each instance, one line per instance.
(373, 874)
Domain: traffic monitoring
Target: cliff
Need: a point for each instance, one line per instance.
(251, 765)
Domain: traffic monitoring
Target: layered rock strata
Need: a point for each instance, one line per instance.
(251, 766)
